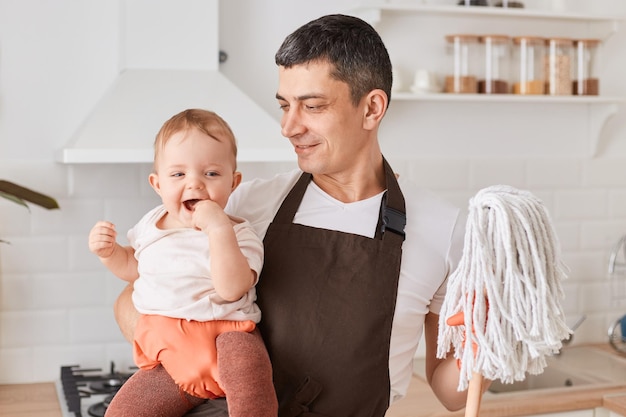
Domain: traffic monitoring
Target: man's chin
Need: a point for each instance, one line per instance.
(307, 164)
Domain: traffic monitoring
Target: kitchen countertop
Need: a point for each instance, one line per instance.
(40, 400)
(421, 402)
(29, 400)
(616, 403)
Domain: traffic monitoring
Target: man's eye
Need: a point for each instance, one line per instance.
(284, 107)
(316, 106)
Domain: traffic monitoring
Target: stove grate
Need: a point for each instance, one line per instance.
(76, 382)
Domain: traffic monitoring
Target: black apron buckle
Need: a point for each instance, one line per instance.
(394, 220)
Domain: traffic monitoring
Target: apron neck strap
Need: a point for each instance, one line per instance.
(290, 204)
(392, 211)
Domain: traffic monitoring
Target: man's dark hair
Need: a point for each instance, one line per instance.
(349, 44)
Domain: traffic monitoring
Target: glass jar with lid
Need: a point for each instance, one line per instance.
(528, 74)
(464, 52)
(496, 55)
(512, 4)
(586, 80)
(472, 3)
(558, 66)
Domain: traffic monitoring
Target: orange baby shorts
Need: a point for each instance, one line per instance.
(186, 349)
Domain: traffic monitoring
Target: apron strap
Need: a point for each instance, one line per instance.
(290, 204)
(306, 393)
(392, 211)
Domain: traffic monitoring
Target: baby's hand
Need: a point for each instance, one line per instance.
(208, 215)
(102, 239)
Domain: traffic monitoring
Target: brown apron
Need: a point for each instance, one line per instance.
(328, 300)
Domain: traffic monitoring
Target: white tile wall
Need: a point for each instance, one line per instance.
(56, 299)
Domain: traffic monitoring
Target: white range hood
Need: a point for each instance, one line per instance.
(170, 59)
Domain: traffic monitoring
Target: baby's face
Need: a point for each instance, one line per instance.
(193, 166)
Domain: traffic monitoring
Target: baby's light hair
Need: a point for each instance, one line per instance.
(205, 121)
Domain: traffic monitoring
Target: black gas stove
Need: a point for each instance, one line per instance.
(87, 392)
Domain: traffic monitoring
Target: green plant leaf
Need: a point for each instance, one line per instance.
(15, 199)
(21, 195)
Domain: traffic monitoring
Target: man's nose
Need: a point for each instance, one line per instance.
(291, 123)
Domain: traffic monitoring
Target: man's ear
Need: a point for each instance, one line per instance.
(375, 108)
(236, 180)
(154, 182)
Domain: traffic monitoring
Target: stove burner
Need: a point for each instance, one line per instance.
(98, 410)
(109, 385)
(107, 400)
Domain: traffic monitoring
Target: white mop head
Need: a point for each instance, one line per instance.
(511, 257)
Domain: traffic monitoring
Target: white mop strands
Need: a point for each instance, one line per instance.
(511, 258)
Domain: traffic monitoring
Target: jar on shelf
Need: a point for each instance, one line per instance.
(496, 55)
(464, 51)
(472, 3)
(558, 66)
(528, 74)
(511, 4)
(586, 82)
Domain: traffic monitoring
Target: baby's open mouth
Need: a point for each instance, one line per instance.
(190, 203)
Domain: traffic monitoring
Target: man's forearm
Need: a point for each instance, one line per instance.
(125, 313)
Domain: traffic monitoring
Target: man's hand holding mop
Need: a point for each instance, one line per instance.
(507, 288)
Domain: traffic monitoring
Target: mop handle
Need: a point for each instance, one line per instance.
(474, 395)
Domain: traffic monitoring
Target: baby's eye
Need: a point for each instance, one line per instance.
(212, 174)
(177, 174)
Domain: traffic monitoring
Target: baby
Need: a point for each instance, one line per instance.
(193, 270)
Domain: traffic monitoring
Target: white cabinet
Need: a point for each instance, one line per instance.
(576, 413)
(604, 412)
(598, 412)
(414, 35)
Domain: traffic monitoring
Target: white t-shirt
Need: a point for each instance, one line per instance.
(175, 277)
(318, 209)
(431, 251)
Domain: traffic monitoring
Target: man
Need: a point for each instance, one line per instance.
(349, 282)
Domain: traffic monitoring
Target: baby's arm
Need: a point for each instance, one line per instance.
(230, 270)
(117, 258)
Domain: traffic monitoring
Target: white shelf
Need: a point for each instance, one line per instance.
(373, 11)
(600, 108)
(505, 98)
(485, 11)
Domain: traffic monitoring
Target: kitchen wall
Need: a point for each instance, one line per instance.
(57, 59)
